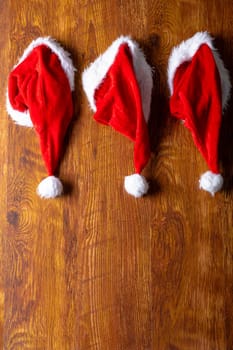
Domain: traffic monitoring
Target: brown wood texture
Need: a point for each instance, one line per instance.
(96, 268)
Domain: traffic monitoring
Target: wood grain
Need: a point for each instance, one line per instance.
(97, 269)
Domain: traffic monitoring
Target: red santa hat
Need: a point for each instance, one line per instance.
(39, 95)
(118, 85)
(200, 89)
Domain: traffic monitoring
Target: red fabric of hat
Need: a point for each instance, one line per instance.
(196, 100)
(40, 86)
(119, 105)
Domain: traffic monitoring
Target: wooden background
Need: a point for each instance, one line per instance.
(96, 268)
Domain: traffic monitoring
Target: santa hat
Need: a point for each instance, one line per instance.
(39, 95)
(200, 89)
(118, 85)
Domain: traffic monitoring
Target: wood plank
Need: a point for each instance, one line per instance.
(97, 269)
(4, 44)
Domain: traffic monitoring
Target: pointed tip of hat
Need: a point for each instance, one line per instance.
(211, 182)
(136, 185)
(50, 187)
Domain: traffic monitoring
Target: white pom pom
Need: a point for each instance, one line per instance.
(50, 187)
(136, 185)
(211, 182)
